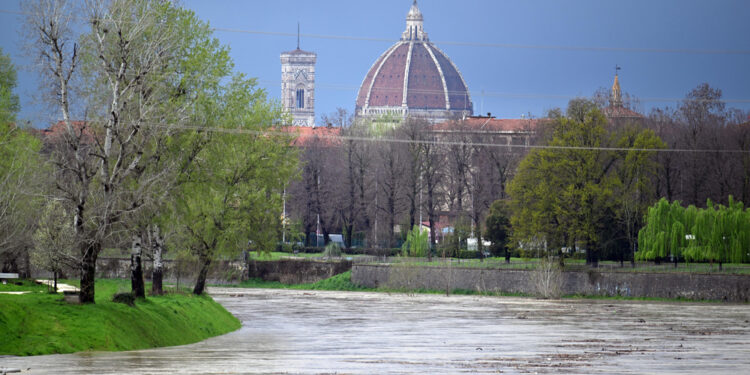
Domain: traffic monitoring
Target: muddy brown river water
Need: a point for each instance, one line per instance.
(312, 332)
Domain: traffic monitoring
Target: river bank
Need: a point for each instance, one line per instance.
(323, 332)
(38, 323)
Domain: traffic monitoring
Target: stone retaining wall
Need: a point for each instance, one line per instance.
(287, 271)
(731, 288)
(297, 271)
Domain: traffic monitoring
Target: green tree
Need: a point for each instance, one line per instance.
(498, 229)
(145, 68)
(233, 190)
(716, 234)
(564, 195)
(54, 240)
(21, 174)
(8, 99)
(417, 243)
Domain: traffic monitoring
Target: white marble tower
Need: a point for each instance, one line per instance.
(298, 85)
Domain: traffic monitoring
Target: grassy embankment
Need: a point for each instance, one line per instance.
(42, 323)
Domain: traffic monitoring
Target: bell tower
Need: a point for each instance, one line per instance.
(298, 85)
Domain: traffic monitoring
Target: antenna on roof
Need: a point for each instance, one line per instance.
(298, 35)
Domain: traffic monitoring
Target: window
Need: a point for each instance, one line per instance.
(300, 98)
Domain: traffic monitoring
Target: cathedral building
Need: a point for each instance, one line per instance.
(298, 85)
(414, 78)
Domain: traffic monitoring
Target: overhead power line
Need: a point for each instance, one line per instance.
(696, 51)
(437, 142)
(504, 45)
(498, 94)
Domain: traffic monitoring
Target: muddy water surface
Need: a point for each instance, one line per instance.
(301, 332)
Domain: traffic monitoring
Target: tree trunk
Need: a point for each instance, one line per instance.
(157, 276)
(27, 265)
(136, 269)
(507, 255)
(200, 284)
(88, 274)
(54, 275)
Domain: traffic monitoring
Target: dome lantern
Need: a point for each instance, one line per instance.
(414, 24)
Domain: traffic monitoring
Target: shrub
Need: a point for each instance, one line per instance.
(546, 278)
(417, 243)
(126, 298)
(333, 250)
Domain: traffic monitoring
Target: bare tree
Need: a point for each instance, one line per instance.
(391, 160)
(101, 164)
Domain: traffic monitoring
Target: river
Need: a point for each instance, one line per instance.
(315, 332)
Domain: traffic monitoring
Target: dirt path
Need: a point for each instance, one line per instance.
(60, 287)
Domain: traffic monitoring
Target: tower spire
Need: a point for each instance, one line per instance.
(616, 97)
(298, 33)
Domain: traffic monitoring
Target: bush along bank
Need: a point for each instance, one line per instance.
(41, 323)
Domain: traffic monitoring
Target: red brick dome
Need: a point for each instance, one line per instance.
(414, 77)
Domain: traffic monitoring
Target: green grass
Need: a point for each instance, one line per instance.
(343, 282)
(42, 323)
(340, 282)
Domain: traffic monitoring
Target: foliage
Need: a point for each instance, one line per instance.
(417, 243)
(717, 233)
(39, 323)
(20, 170)
(568, 193)
(497, 228)
(332, 250)
(54, 239)
(233, 190)
(8, 99)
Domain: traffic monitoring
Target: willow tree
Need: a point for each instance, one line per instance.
(666, 233)
(715, 234)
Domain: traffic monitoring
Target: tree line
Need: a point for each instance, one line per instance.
(147, 154)
(588, 190)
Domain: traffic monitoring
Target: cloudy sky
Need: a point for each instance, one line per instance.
(517, 57)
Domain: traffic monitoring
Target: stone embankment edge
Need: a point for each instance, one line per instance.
(692, 286)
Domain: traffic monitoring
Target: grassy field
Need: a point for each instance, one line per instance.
(42, 323)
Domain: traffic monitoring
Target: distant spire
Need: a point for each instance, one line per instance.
(298, 33)
(616, 97)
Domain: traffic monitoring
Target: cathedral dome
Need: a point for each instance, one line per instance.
(413, 77)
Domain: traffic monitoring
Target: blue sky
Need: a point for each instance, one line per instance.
(507, 81)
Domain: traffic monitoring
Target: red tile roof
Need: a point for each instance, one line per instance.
(489, 124)
(56, 131)
(307, 136)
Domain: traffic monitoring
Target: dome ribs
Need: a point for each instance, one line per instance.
(364, 90)
(458, 93)
(425, 89)
(388, 82)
